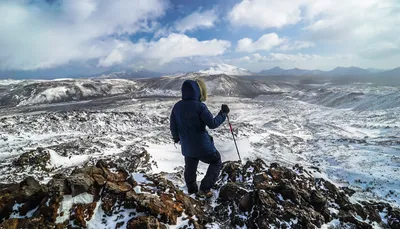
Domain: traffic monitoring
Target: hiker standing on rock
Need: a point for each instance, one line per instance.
(188, 122)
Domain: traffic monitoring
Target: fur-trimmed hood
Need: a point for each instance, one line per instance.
(203, 89)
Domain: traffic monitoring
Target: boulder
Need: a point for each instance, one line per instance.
(81, 183)
(231, 191)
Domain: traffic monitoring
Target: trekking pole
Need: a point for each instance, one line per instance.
(234, 140)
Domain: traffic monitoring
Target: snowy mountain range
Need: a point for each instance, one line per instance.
(226, 69)
(338, 71)
(20, 93)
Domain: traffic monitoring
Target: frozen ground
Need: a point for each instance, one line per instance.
(351, 138)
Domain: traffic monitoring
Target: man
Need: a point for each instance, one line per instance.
(188, 122)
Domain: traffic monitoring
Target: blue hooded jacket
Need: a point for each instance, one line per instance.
(189, 119)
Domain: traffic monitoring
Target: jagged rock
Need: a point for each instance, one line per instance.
(348, 218)
(246, 203)
(108, 202)
(31, 223)
(29, 193)
(231, 191)
(80, 183)
(59, 185)
(348, 191)
(82, 213)
(99, 179)
(288, 191)
(49, 206)
(318, 201)
(165, 209)
(192, 207)
(145, 222)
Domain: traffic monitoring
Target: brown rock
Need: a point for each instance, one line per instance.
(107, 204)
(191, 206)
(49, 207)
(318, 201)
(259, 179)
(31, 223)
(145, 222)
(99, 179)
(83, 213)
(231, 191)
(246, 203)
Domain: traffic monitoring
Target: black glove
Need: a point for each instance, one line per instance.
(225, 109)
(176, 140)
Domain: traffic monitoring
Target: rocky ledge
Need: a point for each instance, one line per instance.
(253, 195)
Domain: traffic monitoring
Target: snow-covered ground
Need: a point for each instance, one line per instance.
(320, 128)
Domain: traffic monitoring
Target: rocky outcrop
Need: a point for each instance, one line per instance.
(261, 196)
(39, 158)
(73, 201)
(254, 195)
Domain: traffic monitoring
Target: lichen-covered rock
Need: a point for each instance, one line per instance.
(145, 222)
(82, 213)
(30, 223)
(280, 197)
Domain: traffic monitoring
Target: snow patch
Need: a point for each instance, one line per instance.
(57, 160)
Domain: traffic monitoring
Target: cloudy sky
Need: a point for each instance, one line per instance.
(180, 35)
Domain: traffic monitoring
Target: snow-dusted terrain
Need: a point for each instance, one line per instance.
(31, 92)
(347, 134)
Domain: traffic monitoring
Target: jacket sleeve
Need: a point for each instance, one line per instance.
(208, 118)
(172, 126)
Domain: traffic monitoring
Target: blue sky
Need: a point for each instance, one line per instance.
(80, 37)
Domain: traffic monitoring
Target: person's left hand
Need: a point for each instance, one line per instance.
(176, 140)
(225, 109)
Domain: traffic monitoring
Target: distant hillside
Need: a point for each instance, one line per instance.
(339, 75)
(32, 92)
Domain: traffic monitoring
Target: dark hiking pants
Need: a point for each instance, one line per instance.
(214, 168)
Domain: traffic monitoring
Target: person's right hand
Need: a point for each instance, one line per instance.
(225, 109)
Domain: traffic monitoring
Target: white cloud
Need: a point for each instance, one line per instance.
(380, 50)
(355, 24)
(37, 35)
(296, 45)
(196, 20)
(115, 57)
(266, 42)
(266, 13)
(167, 49)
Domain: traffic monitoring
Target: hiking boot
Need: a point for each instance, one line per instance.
(205, 194)
(193, 190)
